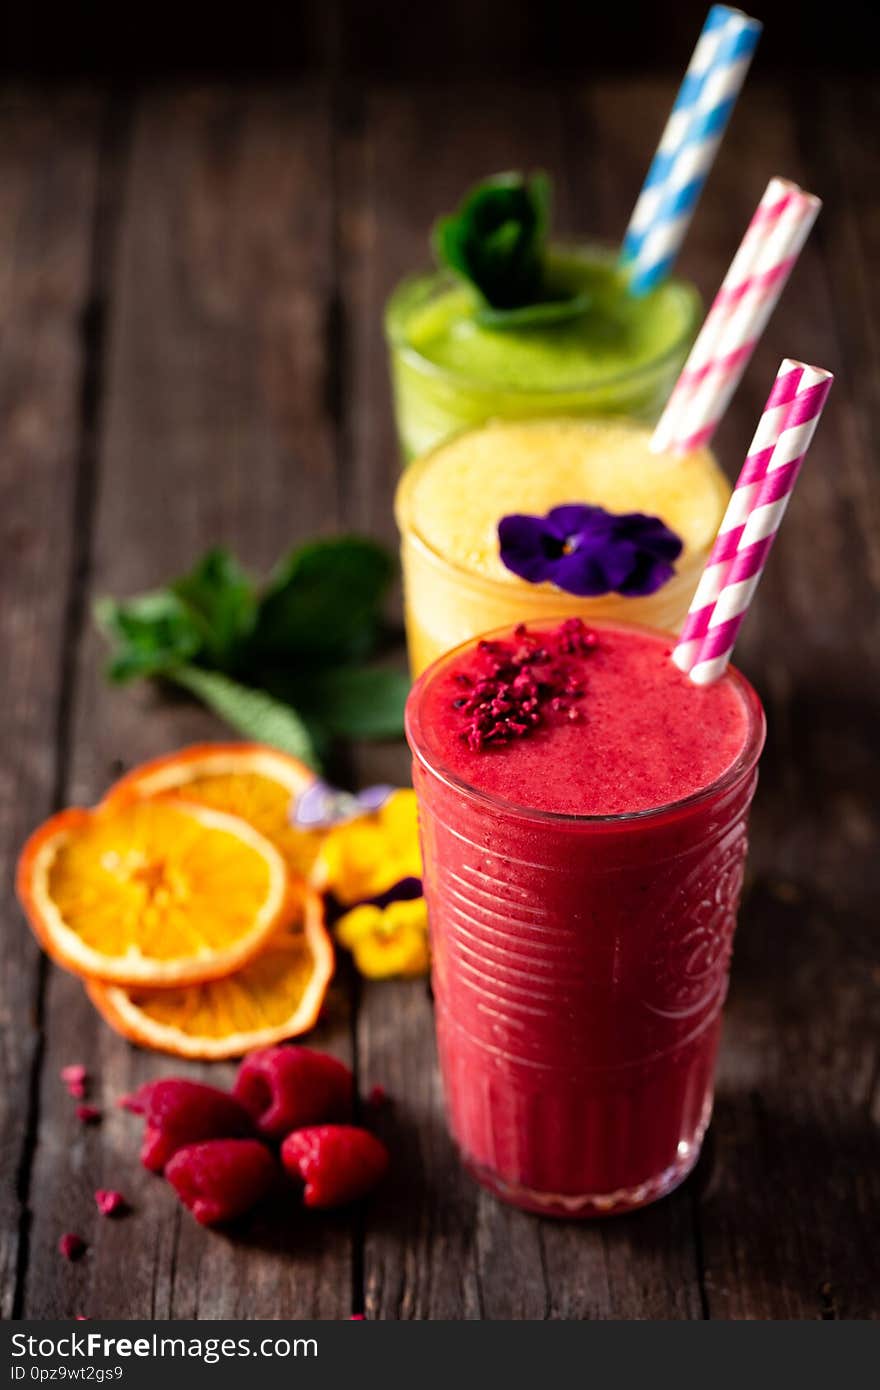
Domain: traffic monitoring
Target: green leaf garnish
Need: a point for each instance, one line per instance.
(281, 666)
(497, 240)
(222, 599)
(155, 632)
(355, 701)
(549, 311)
(324, 602)
(251, 712)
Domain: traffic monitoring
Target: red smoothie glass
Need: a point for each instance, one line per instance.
(583, 811)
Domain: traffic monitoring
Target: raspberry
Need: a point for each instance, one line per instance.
(284, 1088)
(180, 1112)
(377, 1097)
(71, 1246)
(88, 1114)
(110, 1203)
(221, 1179)
(337, 1163)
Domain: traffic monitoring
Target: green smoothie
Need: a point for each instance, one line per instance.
(452, 370)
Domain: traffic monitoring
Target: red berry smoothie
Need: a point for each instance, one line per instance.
(583, 811)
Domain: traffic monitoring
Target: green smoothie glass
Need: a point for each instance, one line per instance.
(620, 357)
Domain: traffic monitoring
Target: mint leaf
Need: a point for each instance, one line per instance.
(496, 239)
(251, 712)
(547, 312)
(278, 668)
(155, 633)
(355, 702)
(323, 605)
(222, 599)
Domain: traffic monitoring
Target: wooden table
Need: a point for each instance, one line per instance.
(191, 284)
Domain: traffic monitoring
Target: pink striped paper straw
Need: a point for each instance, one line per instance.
(748, 295)
(757, 506)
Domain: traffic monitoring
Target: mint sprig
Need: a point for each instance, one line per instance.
(220, 597)
(283, 663)
(154, 633)
(324, 600)
(252, 713)
(497, 241)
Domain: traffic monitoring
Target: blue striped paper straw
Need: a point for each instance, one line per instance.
(688, 145)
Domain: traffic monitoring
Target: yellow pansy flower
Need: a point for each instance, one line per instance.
(387, 941)
(363, 858)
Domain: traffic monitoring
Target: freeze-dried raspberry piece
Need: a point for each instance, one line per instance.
(180, 1112)
(337, 1163)
(75, 1078)
(285, 1088)
(71, 1246)
(221, 1179)
(110, 1203)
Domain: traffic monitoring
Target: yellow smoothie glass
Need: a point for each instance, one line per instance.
(450, 501)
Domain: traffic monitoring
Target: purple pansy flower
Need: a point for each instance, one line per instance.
(588, 551)
(321, 806)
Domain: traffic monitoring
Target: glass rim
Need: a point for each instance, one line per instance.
(741, 767)
(411, 534)
(430, 278)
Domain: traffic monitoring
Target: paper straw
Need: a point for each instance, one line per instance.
(748, 295)
(753, 517)
(675, 130)
(688, 146)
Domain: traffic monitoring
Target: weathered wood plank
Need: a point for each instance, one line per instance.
(214, 430)
(789, 1217)
(831, 131)
(48, 171)
(244, 399)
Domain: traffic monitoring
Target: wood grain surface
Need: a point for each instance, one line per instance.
(192, 281)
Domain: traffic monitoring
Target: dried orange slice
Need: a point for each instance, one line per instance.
(276, 995)
(154, 892)
(250, 780)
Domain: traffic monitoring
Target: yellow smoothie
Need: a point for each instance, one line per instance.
(450, 501)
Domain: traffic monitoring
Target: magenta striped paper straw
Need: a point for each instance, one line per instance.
(752, 520)
(748, 295)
